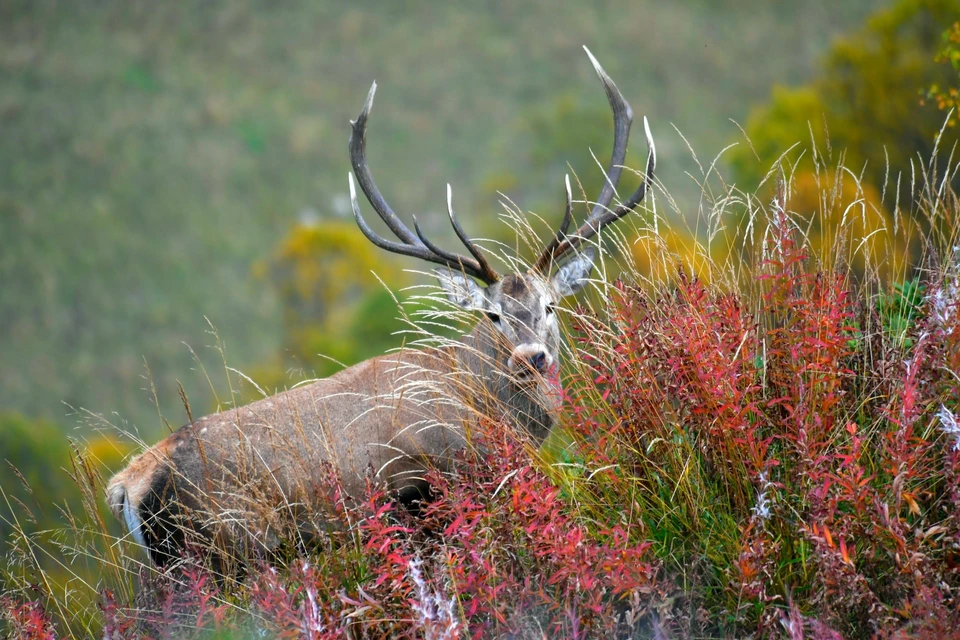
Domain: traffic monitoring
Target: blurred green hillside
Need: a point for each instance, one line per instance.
(152, 153)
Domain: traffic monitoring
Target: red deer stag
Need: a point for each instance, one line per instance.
(397, 414)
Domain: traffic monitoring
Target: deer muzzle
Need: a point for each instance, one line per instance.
(529, 360)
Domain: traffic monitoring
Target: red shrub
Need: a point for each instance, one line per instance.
(25, 620)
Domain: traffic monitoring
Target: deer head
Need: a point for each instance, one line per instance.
(520, 307)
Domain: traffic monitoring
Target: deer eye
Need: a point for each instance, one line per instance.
(494, 317)
(550, 308)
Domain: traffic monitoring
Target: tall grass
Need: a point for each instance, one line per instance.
(759, 437)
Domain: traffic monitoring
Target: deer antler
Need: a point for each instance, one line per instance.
(416, 245)
(602, 215)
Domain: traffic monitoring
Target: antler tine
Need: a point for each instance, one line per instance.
(489, 275)
(383, 243)
(411, 244)
(441, 252)
(638, 195)
(424, 250)
(622, 120)
(595, 224)
(601, 215)
(547, 256)
(358, 158)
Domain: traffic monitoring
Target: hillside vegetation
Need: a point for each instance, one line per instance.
(153, 153)
(771, 450)
(759, 434)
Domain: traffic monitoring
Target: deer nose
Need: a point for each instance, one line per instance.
(538, 360)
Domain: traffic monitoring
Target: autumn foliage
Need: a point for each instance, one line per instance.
(778, 458)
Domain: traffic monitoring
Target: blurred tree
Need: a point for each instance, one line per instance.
(36, 468)
(658, 256)
(947, 96)
(864, 102)
(34, 456)
(846, 222)
(319, 269)
(331, 282)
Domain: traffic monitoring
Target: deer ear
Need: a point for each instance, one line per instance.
(461, 289)
(571, 277)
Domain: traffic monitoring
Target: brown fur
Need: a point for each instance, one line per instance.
(396, 415)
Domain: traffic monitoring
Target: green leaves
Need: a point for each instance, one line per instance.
(900, 309)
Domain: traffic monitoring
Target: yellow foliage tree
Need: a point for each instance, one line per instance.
(862, 107)
(845, 223)
(660, 256)
(947, 96)
(334, 287)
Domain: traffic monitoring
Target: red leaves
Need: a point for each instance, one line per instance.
(816, 427)
(519, 549)
(794, 478)
(25, 620)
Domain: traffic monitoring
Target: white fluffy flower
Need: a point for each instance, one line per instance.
(949, 425)
(762, 508)
(434, 611)
(945, 300)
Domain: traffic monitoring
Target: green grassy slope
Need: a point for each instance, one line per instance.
(151, 152)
